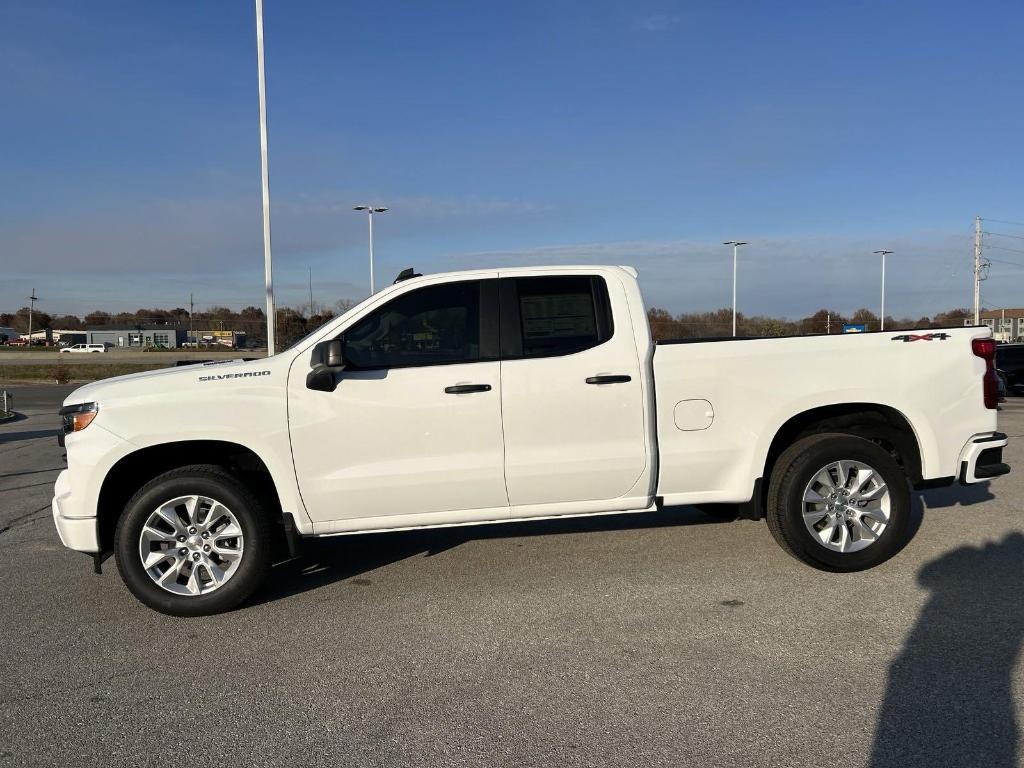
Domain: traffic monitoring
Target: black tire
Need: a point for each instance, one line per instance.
(793, 471)
(208, 480)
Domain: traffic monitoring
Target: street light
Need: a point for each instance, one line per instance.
(735, 248)
(883, 254)
(370, 210)
(268, 269)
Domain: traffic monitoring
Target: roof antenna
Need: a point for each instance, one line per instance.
(406, 274)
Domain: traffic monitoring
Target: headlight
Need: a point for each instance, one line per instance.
(75, 418)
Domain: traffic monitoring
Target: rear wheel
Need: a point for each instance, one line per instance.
(192, 542)
(839, 503)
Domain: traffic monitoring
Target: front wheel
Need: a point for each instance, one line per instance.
(193, 542)
(839, 503)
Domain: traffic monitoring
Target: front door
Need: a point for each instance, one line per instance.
(414, 425)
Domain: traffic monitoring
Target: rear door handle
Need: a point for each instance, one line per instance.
(610, 379)
(462, 389)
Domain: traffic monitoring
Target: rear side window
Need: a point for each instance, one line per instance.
(1009, 356)
(436, 325)
(550, 316)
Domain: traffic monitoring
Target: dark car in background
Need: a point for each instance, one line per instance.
(1010, 364)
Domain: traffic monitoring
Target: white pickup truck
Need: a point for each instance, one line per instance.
(514, 394)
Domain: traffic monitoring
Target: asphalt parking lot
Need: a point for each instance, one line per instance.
(659, 639)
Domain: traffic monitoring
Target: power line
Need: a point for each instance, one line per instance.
(1002, 234)
(1011, 263)
(1002, 221)
(1004, 248)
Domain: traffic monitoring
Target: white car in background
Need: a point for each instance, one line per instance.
(85, 348)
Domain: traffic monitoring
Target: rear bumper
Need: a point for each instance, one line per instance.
(982, 458)
(77, 533)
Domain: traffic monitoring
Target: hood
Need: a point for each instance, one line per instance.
(164, 379)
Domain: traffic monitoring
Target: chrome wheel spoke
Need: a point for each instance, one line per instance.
(156, 557)
(216, 573)
(864, 532)
(169, 517)
(812, 496)
(200, 555)
(824, 479)
(873, 493)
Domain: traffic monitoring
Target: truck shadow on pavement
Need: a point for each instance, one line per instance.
(957, 495)
(949, 699)
(329, 560)
(28, 434)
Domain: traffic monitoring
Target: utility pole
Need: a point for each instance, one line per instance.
(191, 325)
(977, 270)
(828, 322)
(268, 270)
(31, 310)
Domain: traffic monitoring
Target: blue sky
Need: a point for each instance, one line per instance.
(507, 133)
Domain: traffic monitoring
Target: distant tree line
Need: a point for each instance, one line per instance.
(693, 325)
(295, 322)
(292, 322)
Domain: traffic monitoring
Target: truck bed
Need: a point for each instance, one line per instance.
(721, 401)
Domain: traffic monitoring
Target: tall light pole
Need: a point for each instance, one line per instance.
(735, 249)
(370, 210)
(268, 270)
(883, 254)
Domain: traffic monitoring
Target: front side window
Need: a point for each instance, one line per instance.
(561, 315)
(436, 325)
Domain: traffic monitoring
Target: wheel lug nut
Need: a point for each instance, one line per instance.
(206, 548)
(182, 551)
(181, 539)
(192, 529)
(195, 555)
(206, 534)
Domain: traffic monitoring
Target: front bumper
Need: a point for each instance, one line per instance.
(982, 458)
(77, 533)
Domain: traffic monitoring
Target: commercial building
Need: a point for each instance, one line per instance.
(1006, 324)
(169, 336)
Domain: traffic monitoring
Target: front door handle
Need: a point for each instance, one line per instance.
(462, 389)
(609, 379)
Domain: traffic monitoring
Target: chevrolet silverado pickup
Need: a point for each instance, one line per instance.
(514, 394)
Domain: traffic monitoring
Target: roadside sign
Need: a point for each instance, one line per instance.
(854, 328)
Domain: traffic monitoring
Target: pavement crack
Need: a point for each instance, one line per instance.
(24, 519)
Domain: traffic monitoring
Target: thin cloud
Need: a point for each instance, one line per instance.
(783, 276)
(658, 22)
(210, 235)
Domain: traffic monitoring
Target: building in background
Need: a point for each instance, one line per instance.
(140, 336)
(230, 339)
(1007, 324)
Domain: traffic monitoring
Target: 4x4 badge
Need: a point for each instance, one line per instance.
(921, 337)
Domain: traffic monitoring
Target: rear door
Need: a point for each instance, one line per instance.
(571, 392)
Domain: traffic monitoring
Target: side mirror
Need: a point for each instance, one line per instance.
(334, 354)
(327, 360)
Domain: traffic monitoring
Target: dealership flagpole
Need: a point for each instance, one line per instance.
(268, 270)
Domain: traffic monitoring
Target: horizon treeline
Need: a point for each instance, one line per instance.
(294, 322)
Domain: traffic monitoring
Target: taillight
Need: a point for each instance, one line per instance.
(986, 350)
